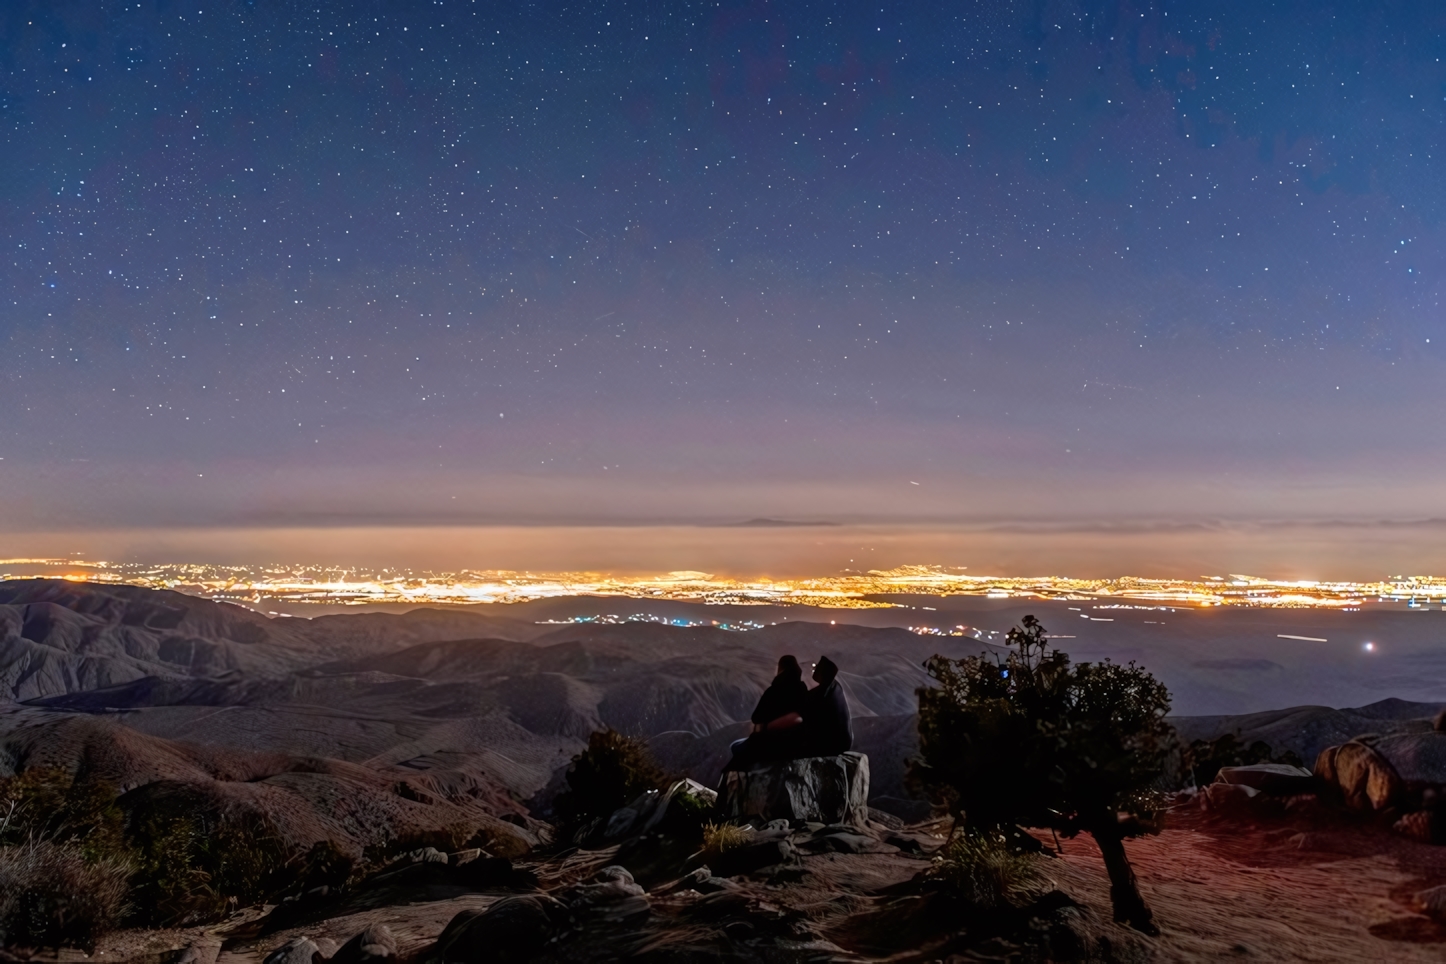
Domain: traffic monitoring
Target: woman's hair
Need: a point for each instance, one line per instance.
(788, 666)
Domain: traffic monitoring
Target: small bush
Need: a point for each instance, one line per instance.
(196, 864)
(610, 773)
(719, 838)
(46, 803)
(52, 894)
(984, 869)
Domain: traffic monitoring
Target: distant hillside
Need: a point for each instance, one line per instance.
(1307, 730)
(59, 637)
(379, 689)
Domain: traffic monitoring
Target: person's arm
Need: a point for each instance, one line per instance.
(785, 722)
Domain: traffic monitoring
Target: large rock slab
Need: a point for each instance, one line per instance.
(821, 789)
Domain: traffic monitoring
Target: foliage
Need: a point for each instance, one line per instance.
(1204, 759)
(610, 773)
(195, 864)
(54, 894)
(1032, 740)
(719, 838)
(47, 803)
(984, 869)
(64, 861)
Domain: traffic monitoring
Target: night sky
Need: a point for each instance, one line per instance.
(275, 263)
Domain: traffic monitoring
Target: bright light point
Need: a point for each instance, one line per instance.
(1369, 647)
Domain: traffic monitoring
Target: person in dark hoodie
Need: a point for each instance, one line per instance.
(778, 714)
(827, 729)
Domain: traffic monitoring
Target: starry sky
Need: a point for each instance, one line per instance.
(273, 263)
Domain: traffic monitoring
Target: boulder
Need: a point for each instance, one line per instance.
(1365, 779)
(374, 945)
(1374, 773)
(199, 952)
(611, 894)
(1418, 825)
(513, 929)
(1272, 779)
(299, 950)
(822, 789)
(649, 810)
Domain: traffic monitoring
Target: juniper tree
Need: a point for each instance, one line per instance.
(1031, 740)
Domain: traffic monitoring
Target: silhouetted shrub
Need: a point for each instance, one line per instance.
(610, 773)
(1033, 741)
(1204, 758)
(53, 894)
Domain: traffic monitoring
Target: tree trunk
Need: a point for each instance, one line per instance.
(1130, 907)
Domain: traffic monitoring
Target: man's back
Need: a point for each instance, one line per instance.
(827, 721)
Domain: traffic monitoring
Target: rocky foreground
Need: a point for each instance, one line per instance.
(1302, 887)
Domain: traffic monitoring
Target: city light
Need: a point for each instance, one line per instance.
(257, 585)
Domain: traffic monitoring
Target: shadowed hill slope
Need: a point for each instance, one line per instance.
(60, 637)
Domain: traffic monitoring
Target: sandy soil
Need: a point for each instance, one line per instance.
(1220, 891)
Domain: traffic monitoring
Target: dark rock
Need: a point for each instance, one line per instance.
(652, 809)
(1422, 825)
(753, 857)
(486, 873)
(200, 952)
(374, 945)
(828, 789)
(299, 950)
(512, 930)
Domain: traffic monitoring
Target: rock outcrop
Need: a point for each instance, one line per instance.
(821, 789)
(1374, 773)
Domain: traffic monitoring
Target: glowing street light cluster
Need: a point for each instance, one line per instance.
(257, 585)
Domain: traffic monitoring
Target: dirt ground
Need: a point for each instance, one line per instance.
(1223, 891)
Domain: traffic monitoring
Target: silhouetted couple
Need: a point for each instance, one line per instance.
(793, 721)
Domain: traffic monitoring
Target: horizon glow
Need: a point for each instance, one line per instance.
(256, 585)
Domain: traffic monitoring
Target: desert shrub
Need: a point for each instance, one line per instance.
(984, 868)
(64, 860)
(1203, 759)
(719, 838)
(195, 864)
(1031, 740)
(54, 894)
(610, 773)
(47, 803)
